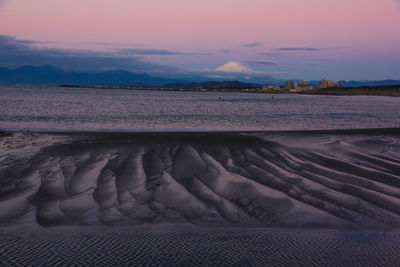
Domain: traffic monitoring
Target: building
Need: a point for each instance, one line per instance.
(322, 84)
(288, 85)
(301, 87)
(271, 89)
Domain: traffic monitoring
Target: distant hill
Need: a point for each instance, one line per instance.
(48, 75)
(361, 83)
(210, 85)
(382, 90)
(368, 83)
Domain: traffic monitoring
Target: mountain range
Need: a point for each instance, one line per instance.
(210, 85)
(49, 75)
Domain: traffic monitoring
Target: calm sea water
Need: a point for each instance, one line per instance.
(123, 110)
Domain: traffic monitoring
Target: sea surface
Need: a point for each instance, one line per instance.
(80, 109)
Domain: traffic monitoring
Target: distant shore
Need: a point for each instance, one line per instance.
(386, 90)
(206, 134)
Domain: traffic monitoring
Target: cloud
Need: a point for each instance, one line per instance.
(272, 54)
(224, 51)
(262, 63)
(303, 49)
(212, 52)
(313, 63)
(252, 44)
(325, 59)
(15, 53)
(218, 76)
(101, 44)
(158, 52)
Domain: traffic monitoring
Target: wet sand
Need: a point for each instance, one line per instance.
(196, 246)
(258, 198)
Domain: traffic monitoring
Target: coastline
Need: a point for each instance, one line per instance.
(384, 130)
(393, 91)
(355, 92)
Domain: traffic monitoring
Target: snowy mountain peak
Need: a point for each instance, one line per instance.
(234, 67)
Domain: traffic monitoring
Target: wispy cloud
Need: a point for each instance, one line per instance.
(305, 49)
(272, 54)
(15, 53)
(313, 63)
(262, 63)
(212, 52)
(224, 51)
(325, 59)
(101, 44)
(299, 48)
(252, 44)
(158, 52)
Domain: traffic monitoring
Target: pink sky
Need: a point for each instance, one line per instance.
(360, 29)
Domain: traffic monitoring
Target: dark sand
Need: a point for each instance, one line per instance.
(194, 246)
(321, 198)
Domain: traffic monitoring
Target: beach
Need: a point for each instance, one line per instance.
(196, 246)
(335, 191)
(286, 179)
(199, 133)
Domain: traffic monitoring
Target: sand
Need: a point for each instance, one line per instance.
(260, 197)
(196, 246)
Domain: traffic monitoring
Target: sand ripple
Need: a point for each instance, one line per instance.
(296, 180)
(197, 247)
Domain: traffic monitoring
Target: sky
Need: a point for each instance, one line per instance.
(284, 39)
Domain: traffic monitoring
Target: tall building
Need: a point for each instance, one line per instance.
(289, 85)
(326, 84)
(301, 87)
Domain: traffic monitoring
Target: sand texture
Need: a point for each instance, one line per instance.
(280, 180)
(194, 246)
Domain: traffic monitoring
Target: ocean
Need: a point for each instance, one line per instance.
(82, 109)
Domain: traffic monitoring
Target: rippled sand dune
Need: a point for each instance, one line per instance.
(296, 180)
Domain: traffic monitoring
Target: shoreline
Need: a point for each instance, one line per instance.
(385, 130)
(346, 91)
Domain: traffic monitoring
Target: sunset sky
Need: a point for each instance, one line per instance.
(307, 39)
